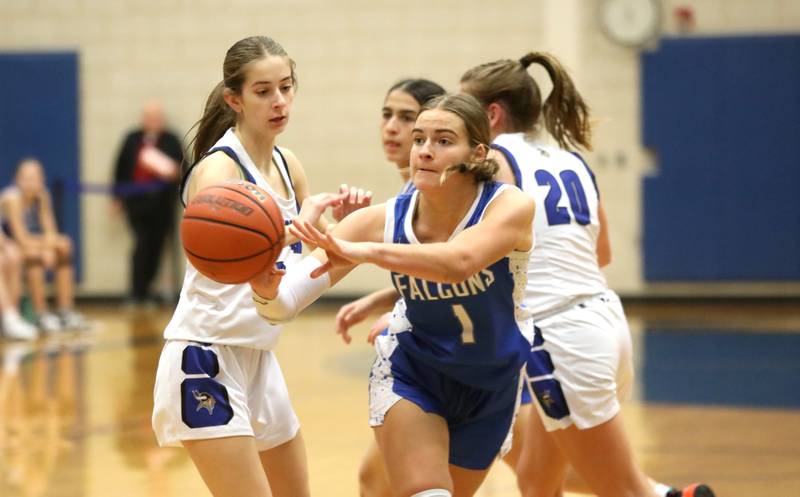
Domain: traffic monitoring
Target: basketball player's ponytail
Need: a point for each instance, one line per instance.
(483, 170)
(507, 82)
(527, 60)
(217, 118)
(566, 115)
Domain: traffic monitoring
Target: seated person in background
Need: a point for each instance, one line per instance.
(13, 326)
(30, 222)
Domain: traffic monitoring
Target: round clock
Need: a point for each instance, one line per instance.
(631, 22)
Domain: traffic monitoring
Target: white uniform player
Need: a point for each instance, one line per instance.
(582, 347)
(217, 345)
(581, 359)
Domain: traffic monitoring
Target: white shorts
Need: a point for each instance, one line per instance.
(581, 364)
(207, 391)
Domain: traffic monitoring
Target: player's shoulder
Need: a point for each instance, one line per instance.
(510, 199)
(511, 194)
(216, 161)
(10, 195)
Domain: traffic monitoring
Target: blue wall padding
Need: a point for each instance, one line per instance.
(723, 367)
(722, 116)
(39, 102)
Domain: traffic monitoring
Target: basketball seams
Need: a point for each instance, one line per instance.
(237, 259)
(256, 202)
(228, 223)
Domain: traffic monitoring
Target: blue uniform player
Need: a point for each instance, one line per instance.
(444, 387)
(399, 111)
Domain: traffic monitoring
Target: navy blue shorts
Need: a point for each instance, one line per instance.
(478, 420)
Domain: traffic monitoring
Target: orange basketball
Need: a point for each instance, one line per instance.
(231, 232)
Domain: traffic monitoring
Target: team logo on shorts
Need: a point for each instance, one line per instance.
(204, 401)
(547, 400)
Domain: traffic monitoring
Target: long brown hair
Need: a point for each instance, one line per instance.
(507, 82)
(217, 115)
(469, 110)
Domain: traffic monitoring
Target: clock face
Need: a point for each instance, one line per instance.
(631, 22)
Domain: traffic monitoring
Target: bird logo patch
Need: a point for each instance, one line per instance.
(204, 401)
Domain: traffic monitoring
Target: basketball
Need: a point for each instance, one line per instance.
(231, 232)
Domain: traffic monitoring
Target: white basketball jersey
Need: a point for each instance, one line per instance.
(563, 265)
(212, 312)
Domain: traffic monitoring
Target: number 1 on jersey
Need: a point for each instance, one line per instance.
(467, 333)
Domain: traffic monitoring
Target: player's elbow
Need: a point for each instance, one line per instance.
(458, 267)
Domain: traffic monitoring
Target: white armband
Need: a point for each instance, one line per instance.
(296, 292)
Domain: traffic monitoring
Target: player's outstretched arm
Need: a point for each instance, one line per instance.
(280, 296)
(506, 226)
(358, 310)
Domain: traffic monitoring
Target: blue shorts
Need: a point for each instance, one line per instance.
(478, 420)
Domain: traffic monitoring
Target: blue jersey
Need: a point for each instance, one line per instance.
(476, 331)
(408, 187)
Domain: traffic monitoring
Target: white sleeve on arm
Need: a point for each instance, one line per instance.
(296, 292)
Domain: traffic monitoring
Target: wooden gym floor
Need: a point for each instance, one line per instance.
(717, 399)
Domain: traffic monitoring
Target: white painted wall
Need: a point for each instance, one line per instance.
(347, 53)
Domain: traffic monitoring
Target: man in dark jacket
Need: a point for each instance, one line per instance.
(145, 179)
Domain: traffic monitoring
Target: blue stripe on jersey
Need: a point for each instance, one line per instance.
(230, 153)
(408, 187)
(488, 192)
(289, 177)
(401, 205)
(227, 151)
(589, 170)
(443, 314)
(512, 162)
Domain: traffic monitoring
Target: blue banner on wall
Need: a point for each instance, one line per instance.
(723, 117)
(39, 118)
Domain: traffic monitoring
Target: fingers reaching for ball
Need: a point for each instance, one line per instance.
(356, 198)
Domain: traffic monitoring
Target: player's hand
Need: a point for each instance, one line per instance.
(353, 313)
(340, 252)
(377, 327)
(315, 205)
(357, 198)
(266, 284)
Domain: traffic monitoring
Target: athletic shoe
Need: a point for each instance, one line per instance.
(693, 490)
(16, 328)
(73, 320)
(49, 322)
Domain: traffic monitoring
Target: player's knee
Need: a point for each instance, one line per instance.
(64, 248)
(33, 260)
(533, 480)
(372, 481)
(418, 485)
(13, 257)
(434, 492)
(524, 482)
